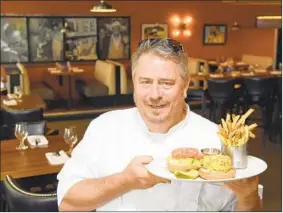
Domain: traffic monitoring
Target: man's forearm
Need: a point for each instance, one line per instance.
(89, 194)
(251, 203)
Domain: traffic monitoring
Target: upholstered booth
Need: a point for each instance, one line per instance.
(99, 89)
(264, 62)
(42, 89)
(124, 85)
(197, 89)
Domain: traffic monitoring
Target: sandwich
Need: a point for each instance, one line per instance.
(185, 162)
(217, 167)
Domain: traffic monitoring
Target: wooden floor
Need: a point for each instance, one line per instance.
(271, 153)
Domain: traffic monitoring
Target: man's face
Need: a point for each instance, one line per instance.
(158, 89)
(116, 31)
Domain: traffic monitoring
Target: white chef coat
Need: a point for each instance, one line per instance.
(114, 138)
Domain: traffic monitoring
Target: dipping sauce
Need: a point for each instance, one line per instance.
(211, 151)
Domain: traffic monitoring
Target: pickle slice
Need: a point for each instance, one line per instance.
(192, 174)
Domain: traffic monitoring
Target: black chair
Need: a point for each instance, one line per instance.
(17, 199)
(198, 95)
(34, 128)
(260, 92)
(11, 117)
(40, 128)
(223, 96)
(276, 129)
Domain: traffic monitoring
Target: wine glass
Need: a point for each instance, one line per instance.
(70, 137)
(21, 133)
(18, 93)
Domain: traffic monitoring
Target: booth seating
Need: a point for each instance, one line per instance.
(197, 89)
(98, 89)
(42, 88)
(123, 77)
(124, 86)
(194, 66)
(264, 62)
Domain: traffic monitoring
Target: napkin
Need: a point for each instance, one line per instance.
(11, 102)
(57, 158)
(42, 141)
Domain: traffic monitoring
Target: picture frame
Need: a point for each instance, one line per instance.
(150, 31)
(80, 38)
(14, 40)
(114, 38)
(45, 39)
(49, 39)
(214, 34)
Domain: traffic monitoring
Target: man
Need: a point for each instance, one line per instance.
(116, 44)
(107, 170)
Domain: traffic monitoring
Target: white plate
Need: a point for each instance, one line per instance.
(255, 167)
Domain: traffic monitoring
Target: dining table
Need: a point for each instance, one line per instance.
(27, 102)
(32, 161)
(70, 74)
(236, 75)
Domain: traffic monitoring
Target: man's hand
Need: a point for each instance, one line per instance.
(137, 175)
(246, 191)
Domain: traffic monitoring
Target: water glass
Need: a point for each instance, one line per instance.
(70, 137)
(21, 133)
(18, 93)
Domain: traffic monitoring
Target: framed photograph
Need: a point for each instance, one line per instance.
(14, 43)
(45, 39)
(114, 38)
(214, 34)
(154, 31)
(80, 39)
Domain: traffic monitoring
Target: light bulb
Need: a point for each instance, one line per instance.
(175, 20)
(176, 33)
(188, 20)
(187, 33)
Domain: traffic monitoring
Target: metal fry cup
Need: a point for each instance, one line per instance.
(238, 155)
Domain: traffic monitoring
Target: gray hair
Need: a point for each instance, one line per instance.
(164, 49)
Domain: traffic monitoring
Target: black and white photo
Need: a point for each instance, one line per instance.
(114, 38)
(80, 38)
(14, 45)
(46, 39)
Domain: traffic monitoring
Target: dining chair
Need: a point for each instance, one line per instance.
(259, 92)
(223, 96)
(18, 199)
(11, 117)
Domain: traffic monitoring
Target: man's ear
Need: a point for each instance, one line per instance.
(187, 84)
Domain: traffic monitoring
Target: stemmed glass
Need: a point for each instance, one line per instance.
(21, 133)
(70, 137)
(18, 93)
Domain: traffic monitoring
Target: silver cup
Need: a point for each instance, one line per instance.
(238, 155)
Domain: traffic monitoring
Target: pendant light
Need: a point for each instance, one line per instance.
(103, 7)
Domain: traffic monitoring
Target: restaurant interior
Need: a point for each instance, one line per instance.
(64, 63)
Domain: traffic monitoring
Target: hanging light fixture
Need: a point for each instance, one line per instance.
(103, 7)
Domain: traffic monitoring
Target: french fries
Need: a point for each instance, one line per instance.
(233, 131)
